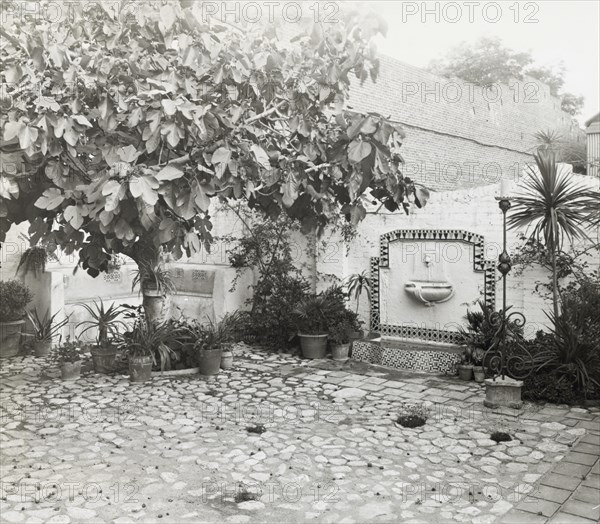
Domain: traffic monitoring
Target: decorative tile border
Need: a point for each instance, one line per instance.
(480, 265)
(398, 358)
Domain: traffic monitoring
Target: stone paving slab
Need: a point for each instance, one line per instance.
(179, 449)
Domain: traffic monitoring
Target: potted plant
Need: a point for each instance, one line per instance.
(465, 368)
(142, 344)
(339, 338)
(155, 283)
(69, 358)
(148, 343)
(229, 327)
(14, 296)
(311, 320)
(477, 356)
(209, 346)
(44, 330)
(106, 322)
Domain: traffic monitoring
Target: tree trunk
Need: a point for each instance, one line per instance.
(554, 284)
(312, 260)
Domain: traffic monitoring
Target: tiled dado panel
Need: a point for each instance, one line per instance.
(480, 265)
(417, 360)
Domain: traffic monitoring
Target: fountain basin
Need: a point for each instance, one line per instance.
(428, 292)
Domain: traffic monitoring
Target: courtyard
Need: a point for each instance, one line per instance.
(277, 438)
(299, 262)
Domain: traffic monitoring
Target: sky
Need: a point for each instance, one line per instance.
(552, 30)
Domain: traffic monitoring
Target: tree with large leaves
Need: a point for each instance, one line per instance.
(121, 127)
(557, 208)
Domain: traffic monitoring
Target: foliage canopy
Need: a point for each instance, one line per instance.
(122, 126)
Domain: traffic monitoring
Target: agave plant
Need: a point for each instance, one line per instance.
(557, 207)
(573, 356)
(106, 320)
(46, 327)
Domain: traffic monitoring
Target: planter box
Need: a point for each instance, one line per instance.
(503, 393)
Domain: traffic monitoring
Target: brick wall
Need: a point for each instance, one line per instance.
(458, 134)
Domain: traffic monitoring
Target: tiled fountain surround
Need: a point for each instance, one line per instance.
(414, 336)
(434, 358)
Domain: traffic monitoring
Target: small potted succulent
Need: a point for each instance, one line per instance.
(339, 338)
(311, 320)
(45, 328)
(478, 369)
(106, 322)
(465, 368)
(14, 296)
(69, 357)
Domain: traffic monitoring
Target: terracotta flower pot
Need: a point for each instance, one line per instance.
(140, 369)
(104, 358)
(478, 373)
(70, 370)
(313, 346)
(209, 361)
(465, 372)
(340, 351)
(41, 348)
(10, 338)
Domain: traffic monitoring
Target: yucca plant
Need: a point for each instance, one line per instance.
(359, 283)
(46, 327)
(556, 206)
(106, 320)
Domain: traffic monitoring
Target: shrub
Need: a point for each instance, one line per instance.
(549, 388)
(413, 415)
(14, 296)
(279, 288)
(479, 332)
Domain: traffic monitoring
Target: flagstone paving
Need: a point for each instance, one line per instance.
(190, 448)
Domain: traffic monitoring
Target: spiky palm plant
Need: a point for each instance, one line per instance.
(357, 283)
(556, 206)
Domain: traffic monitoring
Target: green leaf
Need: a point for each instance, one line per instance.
(169, 106)
(169, 173)
(8, 187)
(27, 136)
(73, 216)
(128, 153)
(357, 214)
(421, 196)
(290, 191)
(144, 187)
(261, 156)
(359, 150)
(50, 199)
(82, 120)
(12, 129)
(202, 198)
(221, 156)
